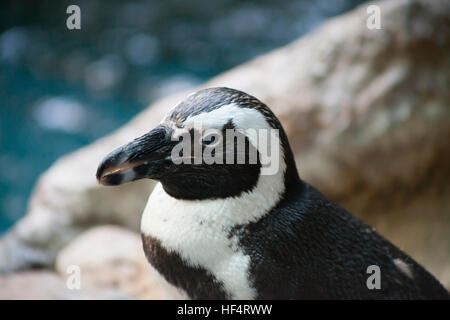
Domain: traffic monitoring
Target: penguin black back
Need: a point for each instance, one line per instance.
(323, 252)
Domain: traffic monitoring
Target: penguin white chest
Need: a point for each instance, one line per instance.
(199, 232)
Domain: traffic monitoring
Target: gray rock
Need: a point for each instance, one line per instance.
(110, 257)
(46, 285)
(367, 113)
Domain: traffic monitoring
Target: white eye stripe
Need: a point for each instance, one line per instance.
(245, 120)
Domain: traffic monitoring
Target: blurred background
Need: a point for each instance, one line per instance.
(62, 89)
(367, 112)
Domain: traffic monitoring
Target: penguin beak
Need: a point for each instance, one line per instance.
(144, 157)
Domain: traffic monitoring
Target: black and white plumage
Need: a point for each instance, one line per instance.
(225, 231)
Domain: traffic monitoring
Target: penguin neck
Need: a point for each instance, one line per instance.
(245, 207)
(212, 183)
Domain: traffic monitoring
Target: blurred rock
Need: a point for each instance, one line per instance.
(110, 257)
(367, 113)
(46, 285)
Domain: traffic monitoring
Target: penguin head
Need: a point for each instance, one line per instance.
(217, 143)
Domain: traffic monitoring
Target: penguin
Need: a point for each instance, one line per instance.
(227, 231)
